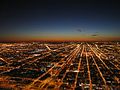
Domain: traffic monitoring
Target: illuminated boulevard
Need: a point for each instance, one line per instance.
(60, 66)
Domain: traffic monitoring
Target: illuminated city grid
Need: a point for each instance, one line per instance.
(60, 66)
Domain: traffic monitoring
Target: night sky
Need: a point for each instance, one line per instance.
(59, 20)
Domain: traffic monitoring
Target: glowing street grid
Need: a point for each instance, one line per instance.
(60, 66)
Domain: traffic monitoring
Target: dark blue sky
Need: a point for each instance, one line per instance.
(59, 20)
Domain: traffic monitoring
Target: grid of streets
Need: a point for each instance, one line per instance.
(60, 66)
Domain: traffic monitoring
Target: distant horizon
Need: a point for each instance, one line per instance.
(28, 41)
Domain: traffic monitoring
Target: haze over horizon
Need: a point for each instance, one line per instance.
(59, 20)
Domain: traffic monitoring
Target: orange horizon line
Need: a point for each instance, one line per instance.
(55, 40)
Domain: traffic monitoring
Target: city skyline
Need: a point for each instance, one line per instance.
(59, 45)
